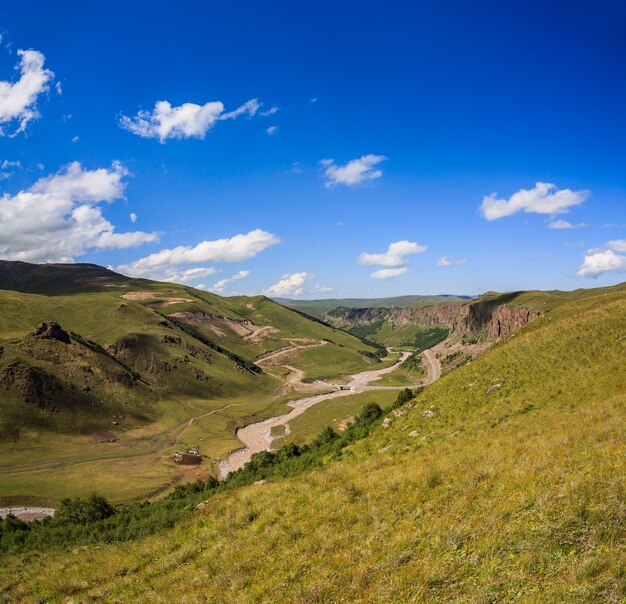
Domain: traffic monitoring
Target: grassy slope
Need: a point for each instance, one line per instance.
(508, 494)
(179, 379)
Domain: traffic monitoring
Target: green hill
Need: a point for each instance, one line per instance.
(88, 355)
(501, 482)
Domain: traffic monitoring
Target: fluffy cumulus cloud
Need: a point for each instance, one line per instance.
(356, 172)
(234, 249)
(60, 217)
(185, 121)
(599, 261)
(565, 225)
(543, 198)
(446, 262)
(394, 256)
(394, 259)
(221, 286)
(618, 245)
(187, 276)
(18, 100)
(289, 285)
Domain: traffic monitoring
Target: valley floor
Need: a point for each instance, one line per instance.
(146, 453)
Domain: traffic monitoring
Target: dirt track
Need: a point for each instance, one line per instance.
(27, 513)
(257, 437)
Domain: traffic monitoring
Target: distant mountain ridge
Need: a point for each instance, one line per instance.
(320, 308)
(56, 279)
(405, 320)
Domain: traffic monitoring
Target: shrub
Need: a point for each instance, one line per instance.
(404, 396)
(82, 511)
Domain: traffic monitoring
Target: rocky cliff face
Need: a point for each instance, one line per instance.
(483, 320)
(493, 320)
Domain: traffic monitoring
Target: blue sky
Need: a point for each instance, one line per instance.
(344, 129)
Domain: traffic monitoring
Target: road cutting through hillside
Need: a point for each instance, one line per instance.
(258, 437)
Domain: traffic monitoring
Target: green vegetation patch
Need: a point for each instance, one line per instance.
(428, 338)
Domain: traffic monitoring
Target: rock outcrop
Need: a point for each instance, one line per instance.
(485, 320)
(52, 331)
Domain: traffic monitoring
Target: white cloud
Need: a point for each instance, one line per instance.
(544, 198)
(598, 262)
(188, 276)
(185, 121)
(272, 130)
(617, 245)
(222, 284)
(18, 100)
(321, 289)
(446, 262)
(389, 273)
(289, 285)
(394, 259)
(91, 186)
(355, 172)
(10, 164)
(5, 168)
(564, 224)
(394, 256)
(234, 249)
(133, 217)
(121, 241)
(75, 139)
(59, 88)
(60, 216)
(270, 111)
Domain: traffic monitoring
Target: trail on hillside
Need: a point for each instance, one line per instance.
(434, 366)
(268, 356)
(258, 437)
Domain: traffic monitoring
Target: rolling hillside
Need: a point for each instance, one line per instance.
(501, 482)
(87, 355)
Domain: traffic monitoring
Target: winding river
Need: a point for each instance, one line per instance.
(258, 437)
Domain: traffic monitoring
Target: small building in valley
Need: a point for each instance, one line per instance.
(190, 458)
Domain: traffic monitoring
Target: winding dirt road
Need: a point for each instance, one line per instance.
(258, 437)
(435, 366)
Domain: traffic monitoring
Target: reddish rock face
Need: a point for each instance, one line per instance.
(484, 320)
